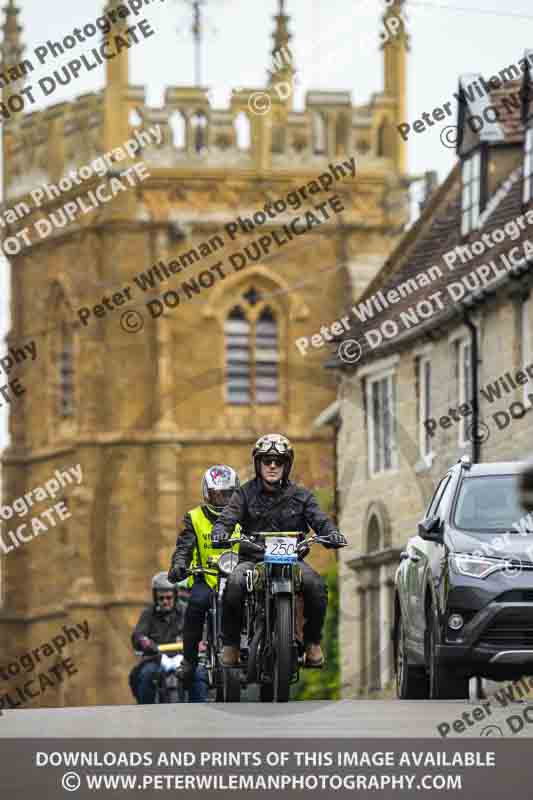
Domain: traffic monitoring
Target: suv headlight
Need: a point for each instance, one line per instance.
(475, 566)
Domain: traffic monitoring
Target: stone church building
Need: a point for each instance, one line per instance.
(145, 413)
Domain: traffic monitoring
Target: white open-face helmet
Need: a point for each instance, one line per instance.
(218, 484)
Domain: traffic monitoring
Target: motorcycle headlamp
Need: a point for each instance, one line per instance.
(227, 562)
(476, 566)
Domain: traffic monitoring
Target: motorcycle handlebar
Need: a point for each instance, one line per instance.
(311, 540)
(202, 571)
(232, 541)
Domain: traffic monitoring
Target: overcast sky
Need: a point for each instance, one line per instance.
(332, 47)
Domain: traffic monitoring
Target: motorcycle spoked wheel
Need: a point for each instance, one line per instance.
(218, 683)
(174, 694)
(254, 655)
(282, 640)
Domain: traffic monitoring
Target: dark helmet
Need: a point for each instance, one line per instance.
(274, 444)
(161, 583)
(218, 484)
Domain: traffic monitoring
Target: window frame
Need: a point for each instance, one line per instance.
(527, 185)
(438, 495)
(527, 106)
(252, 314)
(227, 383)
(390, 377)
(66, 399)
(317, 150)
(471, 213)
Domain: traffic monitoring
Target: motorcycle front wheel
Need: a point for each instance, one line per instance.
(173, 696)
(282, 649)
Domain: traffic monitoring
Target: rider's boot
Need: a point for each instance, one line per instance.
(314, 656)
(230, 656)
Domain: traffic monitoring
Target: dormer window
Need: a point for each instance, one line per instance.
(471, 195)
(528, 163)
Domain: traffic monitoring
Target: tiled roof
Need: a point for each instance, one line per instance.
(427, 250)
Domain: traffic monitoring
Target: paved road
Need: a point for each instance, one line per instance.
(345, 718)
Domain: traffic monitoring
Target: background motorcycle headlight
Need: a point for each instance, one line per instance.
(227, 562)
(475, 566)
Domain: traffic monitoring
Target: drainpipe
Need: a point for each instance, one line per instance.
(476, 442)
(336, 431)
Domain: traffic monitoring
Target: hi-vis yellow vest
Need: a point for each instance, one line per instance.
(204, 548)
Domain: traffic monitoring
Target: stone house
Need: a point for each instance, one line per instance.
(437, 363)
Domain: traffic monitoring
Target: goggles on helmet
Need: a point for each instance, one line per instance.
(279, 447)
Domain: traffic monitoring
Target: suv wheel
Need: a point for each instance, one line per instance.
(443, 683)
(411, 681)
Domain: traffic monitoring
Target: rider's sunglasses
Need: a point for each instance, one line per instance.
(165, 597)
(276, 460)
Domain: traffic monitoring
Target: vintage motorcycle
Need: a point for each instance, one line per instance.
(225, 685)
(274, 655)
(170, 686)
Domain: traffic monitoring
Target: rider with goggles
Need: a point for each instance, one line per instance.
(271, 502)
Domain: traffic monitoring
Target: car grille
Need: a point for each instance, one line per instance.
(511, 629)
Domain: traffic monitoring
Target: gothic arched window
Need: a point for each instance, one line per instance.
(243, 131)
(266, 357)
(342, 134)
(199, 131)
(178, 127)
(135, 118)
(237, 338)
(373, 535)
(252, 352)
(62, 348)
(319, 133)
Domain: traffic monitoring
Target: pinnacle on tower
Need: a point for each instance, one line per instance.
(116, 125)
(394, 23)
(12, 48)
(395, 47)
(282, 66)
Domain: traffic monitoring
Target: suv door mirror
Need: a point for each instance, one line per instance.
(430, 529)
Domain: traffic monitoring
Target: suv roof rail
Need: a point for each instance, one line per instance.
(465, 462)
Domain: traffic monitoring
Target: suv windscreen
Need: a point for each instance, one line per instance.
(490, 503)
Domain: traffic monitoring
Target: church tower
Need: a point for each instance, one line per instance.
(395, 50)
(166, 321)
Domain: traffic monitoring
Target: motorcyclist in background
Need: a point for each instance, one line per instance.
(271, 502)
(193, 548)
(160, 623)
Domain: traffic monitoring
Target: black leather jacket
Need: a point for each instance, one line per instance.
(162, 628)
(292, 508)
